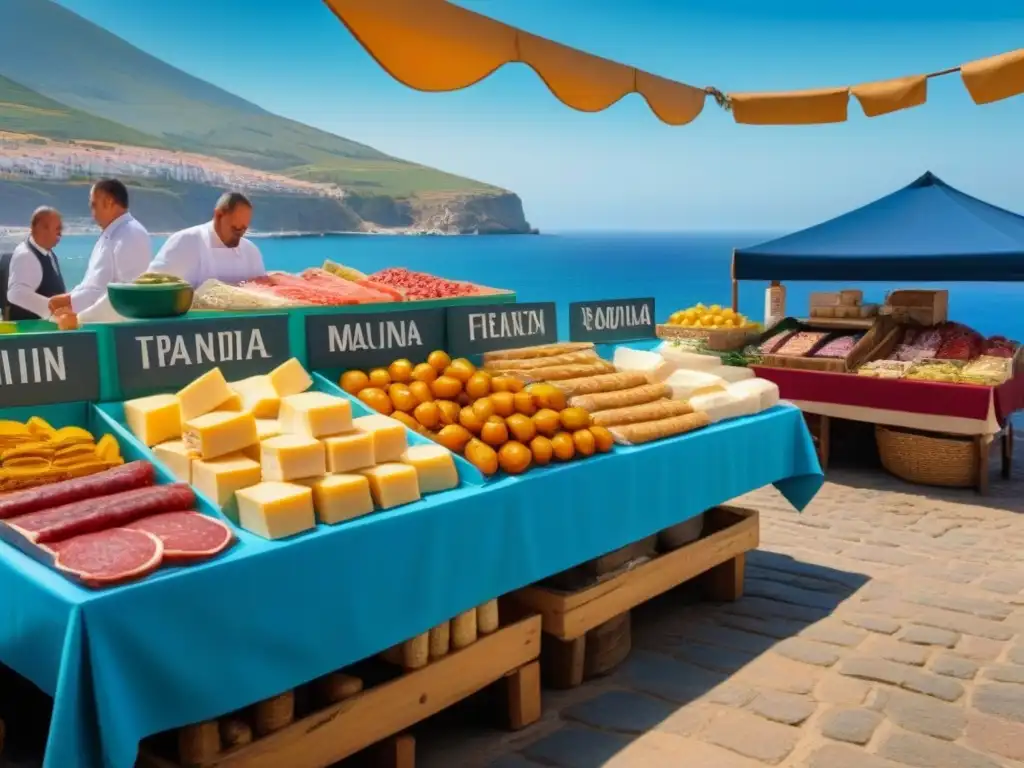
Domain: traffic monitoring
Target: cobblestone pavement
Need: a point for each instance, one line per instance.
(881, 628)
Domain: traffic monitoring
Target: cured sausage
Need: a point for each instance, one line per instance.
(91, 515)
(137, 474)
(109, 557)
(186, 536)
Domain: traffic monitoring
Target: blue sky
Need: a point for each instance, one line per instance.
(622, 169)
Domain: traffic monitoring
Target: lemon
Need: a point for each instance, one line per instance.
(728, 314)
(715, 308)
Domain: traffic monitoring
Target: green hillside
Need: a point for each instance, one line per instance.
(93, 71)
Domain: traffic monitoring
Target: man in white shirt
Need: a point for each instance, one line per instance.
(121, 254)
(216, 250)
(33, 274)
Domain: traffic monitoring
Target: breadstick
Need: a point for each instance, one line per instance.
(583, 356)
(659, 409)
(606, 382)
(602, 401)
(562, 372)
(646, 431)
(544, 350)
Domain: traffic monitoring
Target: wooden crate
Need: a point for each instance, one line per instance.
(379, 715)
(569, 619)
(717, 339)
(918, 306)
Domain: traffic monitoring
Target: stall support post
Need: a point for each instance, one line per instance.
(735, 284)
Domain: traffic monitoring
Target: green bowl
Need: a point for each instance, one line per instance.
(149, 301)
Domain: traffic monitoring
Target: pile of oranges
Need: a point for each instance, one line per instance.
(494, 421)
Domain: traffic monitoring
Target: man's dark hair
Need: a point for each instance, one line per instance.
(115, 188)
(227, 202)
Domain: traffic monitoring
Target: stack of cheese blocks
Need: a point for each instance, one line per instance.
(278, 458)
(720, 391)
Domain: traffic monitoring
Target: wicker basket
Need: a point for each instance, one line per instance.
(717, 339)
(928, 458)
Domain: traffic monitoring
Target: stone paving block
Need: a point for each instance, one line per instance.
(925, 715)
(780, 674)
(807, 652)
(768, 626)
(903, 653)
(731, 694)
(967, 625)
(855, 726)
(926, 752)
(1006, 701)
(986, 609)
(834, 633)
(884, 671)
(762, 608)
(1004, 673)
(719, 659)
(980, 648)
(783, 593)
(621, 711)
(666, 750)
(752, 736)
(929, 636)
(687, 720)
(954, 666)
(794, 580)
(718, 636)
(993, 735)
(1001, 587)
(842, 756)
(575, 747)
(839, 689)
(885, 555)
(879, 624)
(666, 677)
(933, 685)
(785, 708)
(1016, 655)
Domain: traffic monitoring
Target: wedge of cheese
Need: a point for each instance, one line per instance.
(316, 414)
(204, 395)
(723, 405)
(686, 384)
(291, 457)
(654, 365)
(435, 467)
(349, 452)
(389, 436)
(290, 378)
(690, 361)
(258, 395)
(154, 420)
(392, 484)
(219, 433)
(219, 479)
(276, 510)
(264, 428)
(732, 373)
(176, 456)
(767, 392)
(337, 498)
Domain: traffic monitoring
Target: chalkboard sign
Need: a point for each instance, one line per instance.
(45, 368)
(158, 356)
(373, 339)
(611, 320)
(485, 327)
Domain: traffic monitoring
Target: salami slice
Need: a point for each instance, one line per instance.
(109, 557)
(137, 474)
(186, 536)
(91, 515)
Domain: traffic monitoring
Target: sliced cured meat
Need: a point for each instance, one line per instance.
(137, 474)
(91, 515)
(186, 536)
(109, 557)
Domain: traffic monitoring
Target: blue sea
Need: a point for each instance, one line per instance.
(677, 269)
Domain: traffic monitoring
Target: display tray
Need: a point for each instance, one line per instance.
(498, 297)
(383, 711)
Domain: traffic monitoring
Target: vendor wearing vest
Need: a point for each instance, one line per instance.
(31, 275)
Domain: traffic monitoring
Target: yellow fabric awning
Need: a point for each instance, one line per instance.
(432, 45)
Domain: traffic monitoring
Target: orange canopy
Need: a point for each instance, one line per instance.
(432, 45)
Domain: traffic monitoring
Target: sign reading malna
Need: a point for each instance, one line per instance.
(475, 329)
(373, 339)
(610, 320)
(161, 355)
(45, 368)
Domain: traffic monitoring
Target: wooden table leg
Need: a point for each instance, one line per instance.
(523, 696)
(982, 448)
(396, 752)
(824, 440)
(1007, 442)
(724, 583)
(564, 660)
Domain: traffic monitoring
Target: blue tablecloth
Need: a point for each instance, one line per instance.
(191, 644)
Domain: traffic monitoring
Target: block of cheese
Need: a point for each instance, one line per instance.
(276, 510)
(767, 391)
(392, 484)
(434, 465)
(258, 395)
(233, 403)
(290, 378)
(337, 498)
(155, 419)
(654, 365)
(389, 436)
(219, 433)
(686, 384)
(316, 414)
(721, 405)
(218, 479)
(177, 458)
(205, 394)
(290, 457)
(731, 373)
(264, 428)
(690, 361)
(349, 452)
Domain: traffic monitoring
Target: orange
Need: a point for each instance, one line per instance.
(521, 427)
(603, 440)
(449, 411)
(574, 418)
(401, 397)
(421, 391)
(494, 433)
(482, 456)
(454, 437)
(380, 378)
(428, 414)
(504, 403)
(547, 396)
(505, 383)
(514, 457)
(353, 381)
(377, 399)
(541, 449)
(470, 420)
(584, 442)
(546, 421)
(401, 370)
(408, 420)
(563, 446)
(445, 387)
(478, 385)
(424, 372)
(463, 399)
(483, 408)
(438, 360)
(460, 369)
(524, 403)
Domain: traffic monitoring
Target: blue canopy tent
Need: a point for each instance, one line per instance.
(925, 231)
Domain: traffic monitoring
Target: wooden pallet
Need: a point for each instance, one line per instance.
(379, 715)
(718, 558)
